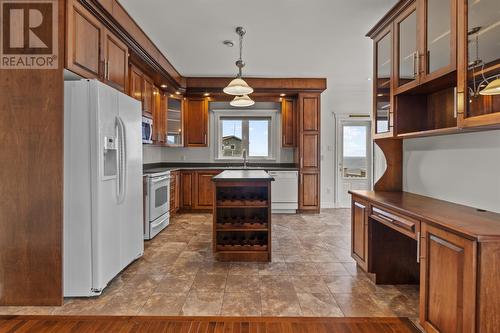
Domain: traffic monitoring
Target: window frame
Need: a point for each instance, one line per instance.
(247, 114)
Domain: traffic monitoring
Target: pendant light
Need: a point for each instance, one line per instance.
(493, 88)
(238, 86)
(242, 101)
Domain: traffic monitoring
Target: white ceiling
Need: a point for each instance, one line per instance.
(285, 38)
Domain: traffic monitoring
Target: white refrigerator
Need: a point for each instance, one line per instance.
(103, 203)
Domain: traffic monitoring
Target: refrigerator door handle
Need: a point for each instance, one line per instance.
(122, 173)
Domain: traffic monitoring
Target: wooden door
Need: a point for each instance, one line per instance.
(309, 191)
(116, 62)
(204, 190)
(310, 150)
(84, 35)
(359, 233)
(177, 194)
(447, 281)
(135, 88)
(187, 189)
(288, 123)
(147, 95)
(196, 122)
(382, 84)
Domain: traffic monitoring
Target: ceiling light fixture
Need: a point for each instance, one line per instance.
(238, 86)
(242, 101)
(163, 86)
(493, 88)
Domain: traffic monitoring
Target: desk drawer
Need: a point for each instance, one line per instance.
(404, 224)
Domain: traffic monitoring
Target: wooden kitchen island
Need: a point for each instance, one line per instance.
(242, 215)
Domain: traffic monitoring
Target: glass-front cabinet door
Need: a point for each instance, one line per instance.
(439, 20)
(407, 54)
(382, 84)
(483, 63)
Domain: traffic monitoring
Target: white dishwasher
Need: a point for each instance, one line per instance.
(284, 191)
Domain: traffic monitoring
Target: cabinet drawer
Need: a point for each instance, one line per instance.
(403, 224)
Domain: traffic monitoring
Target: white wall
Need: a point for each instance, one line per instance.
(461, 168)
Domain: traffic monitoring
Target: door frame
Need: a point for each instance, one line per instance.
(340, 119)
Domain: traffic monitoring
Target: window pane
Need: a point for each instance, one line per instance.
(355, 145)
(258, 137)
(232, 138)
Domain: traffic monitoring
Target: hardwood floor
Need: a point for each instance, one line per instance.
(61, 324)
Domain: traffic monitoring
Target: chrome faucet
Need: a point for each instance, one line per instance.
(244, 159)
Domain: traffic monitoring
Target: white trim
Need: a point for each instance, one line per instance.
(274, 146)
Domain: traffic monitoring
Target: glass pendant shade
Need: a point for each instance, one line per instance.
(238, 87)
(242, 101)
(493, 88)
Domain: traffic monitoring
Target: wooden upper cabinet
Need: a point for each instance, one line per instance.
(115, 62)
(147, 95)
(175, 122)
(288, 123)
(382, 84)
(359, 234)
(480, 62)
(196, 122)
(407, 53)
(136, 82)
(107, 4)
(159, 115)
(84, 35)
(310, 119)
(447, 281)
(439, 21)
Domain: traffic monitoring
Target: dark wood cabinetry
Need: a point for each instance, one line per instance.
(447, 281)
(196, 122)
(84, 37)
(175, 192)
(92, 51)
(444, 54)
(142, 88)
(288, 123)
(453, 251)
(204, 189)
(187, 189)
(359, 232)
(309, 152)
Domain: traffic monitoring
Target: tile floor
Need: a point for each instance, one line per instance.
(312, 274)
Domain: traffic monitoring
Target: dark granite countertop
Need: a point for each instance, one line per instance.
(243, 175)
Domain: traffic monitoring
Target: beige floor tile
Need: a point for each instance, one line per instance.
(362, 305)
(273, 268)
(332, 268)
(164, 305)
(174, 284)
(309, 284)
(319, 305)
(276, 284)
(200, 303)
(241, 304)
(209, 282)
(242, 283)
(243, 268)
(280, 305)
(302, 268)
(214, 267)
(349, 285)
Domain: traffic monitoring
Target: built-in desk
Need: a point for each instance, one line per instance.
(452, 251)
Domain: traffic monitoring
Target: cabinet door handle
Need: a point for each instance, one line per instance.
(455, 100)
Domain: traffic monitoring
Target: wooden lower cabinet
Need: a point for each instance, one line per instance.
(175, 183)
(447, 281)
(309, 192)
(359, 233)
(187, 188)
(204, 189)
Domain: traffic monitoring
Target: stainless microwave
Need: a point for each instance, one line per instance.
(147, 130)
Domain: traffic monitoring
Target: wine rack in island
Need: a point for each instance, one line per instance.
(242, 215)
